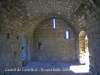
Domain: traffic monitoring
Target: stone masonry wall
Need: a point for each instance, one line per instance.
(88, 19)
(54, 45)
(14, 19)
(10, 52)
(10, 34)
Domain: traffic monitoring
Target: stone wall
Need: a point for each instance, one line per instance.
(55, 47)
(10, 34)
(20, 17)
(88, 19)
(10, 52)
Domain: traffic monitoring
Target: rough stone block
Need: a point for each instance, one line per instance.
(82, 17)
(6, 21)
(93, 19)
(3, 10)
(88, 12)
(91, 1)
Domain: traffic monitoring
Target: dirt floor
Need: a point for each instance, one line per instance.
(53, 68)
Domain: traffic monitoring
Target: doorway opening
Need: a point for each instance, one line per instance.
(25, 51)
(83, 48)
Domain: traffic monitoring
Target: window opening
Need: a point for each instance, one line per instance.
(8, 36)
(39, 46)
(67, 34)
(54, 23)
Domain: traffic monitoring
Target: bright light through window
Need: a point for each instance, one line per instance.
(86, 37)
(54, 25)
(67, 35)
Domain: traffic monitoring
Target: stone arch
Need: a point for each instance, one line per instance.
(52, 39)
(83, 47)
(46, 18)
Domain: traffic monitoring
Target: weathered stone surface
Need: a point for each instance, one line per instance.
(55, 47)
(20, 18)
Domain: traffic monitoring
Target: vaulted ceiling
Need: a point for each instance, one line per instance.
(40, 10)
(27, 14)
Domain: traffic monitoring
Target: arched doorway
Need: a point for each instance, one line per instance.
(83, 48)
